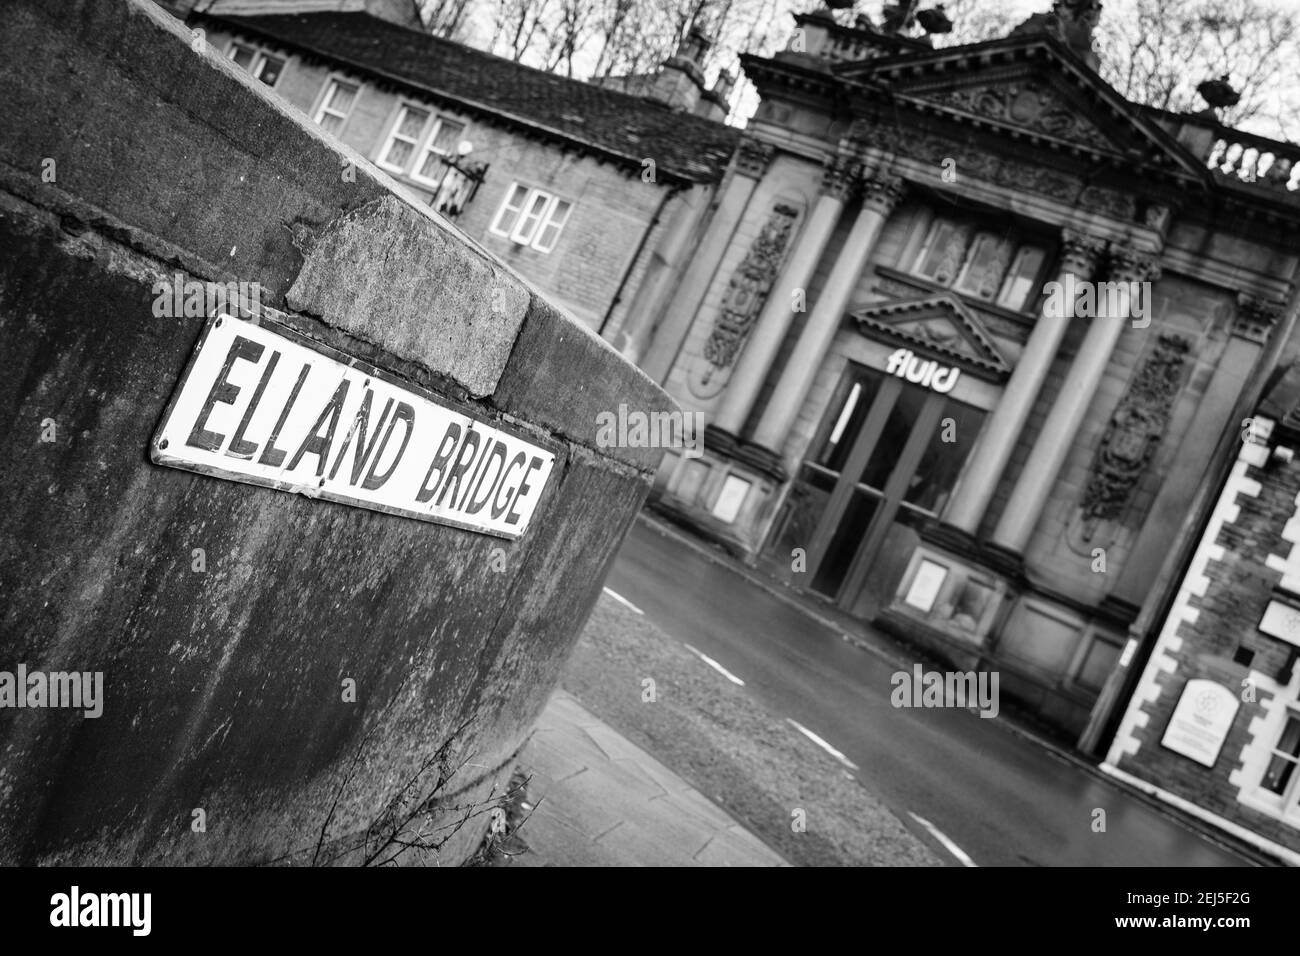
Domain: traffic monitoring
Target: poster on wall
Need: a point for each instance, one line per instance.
(1201, 721)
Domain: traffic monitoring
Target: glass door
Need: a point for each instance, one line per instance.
(890, 453)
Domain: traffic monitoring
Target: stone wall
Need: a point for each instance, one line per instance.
(128, 157)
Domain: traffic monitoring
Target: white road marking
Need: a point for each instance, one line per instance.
(622, 600)
(948, 845)
(823, 744)
(716, 666)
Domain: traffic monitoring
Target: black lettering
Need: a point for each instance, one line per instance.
(462, 465)
(498, 509)
(479, 463)
(445, 449)
(498, 451)
(245, 449)
(314, 443)
(533, 465)
(223, 392)
(360, 424)
(270, 454)
(406, 415)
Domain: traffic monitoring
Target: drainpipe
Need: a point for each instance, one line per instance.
(636, 257)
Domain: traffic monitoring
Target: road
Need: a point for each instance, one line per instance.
(978, 793)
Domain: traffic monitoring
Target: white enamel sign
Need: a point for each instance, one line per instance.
(1201, 721)
(263, 405)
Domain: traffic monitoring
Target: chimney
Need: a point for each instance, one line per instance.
(680, 81)
(715, 104)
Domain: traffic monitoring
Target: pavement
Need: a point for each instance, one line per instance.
(597, 799)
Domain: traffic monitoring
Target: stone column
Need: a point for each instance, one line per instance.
(1002, 430)
(880, 193)
(1061, 427)
(769, 331)
(752, 159)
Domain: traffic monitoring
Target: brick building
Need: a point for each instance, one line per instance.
(904, 419)
(1213, 723)
(594, 195)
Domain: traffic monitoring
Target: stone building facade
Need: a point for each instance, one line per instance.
(594, 195)
(889, 325)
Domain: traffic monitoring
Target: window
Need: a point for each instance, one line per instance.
(1018, 288)
(263, 66)
(336, 105)
(442, 141)
(982, 263)
(986, 262)
(531, 217)
(403, 139)
(941, 257)
(418, 144)
(1281, 774)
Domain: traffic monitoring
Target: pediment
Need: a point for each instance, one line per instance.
(1029, 88)
(939, 325)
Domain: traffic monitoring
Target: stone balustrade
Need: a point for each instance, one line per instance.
(1254, 159)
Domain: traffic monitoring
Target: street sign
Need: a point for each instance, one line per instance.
(263, 405)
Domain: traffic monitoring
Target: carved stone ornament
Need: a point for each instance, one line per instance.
(1255, 318)
(1156, 216)
(840, 177)
(1109, 202)
(746, 293)
(1134, 434)
(753, 157)
(977, 164)
(1034, 177)
(882, 191)
(1132, 265)
(1028, 105)
(862, 135)
(1080, 253)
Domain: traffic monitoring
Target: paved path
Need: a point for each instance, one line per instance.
(600, 800)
